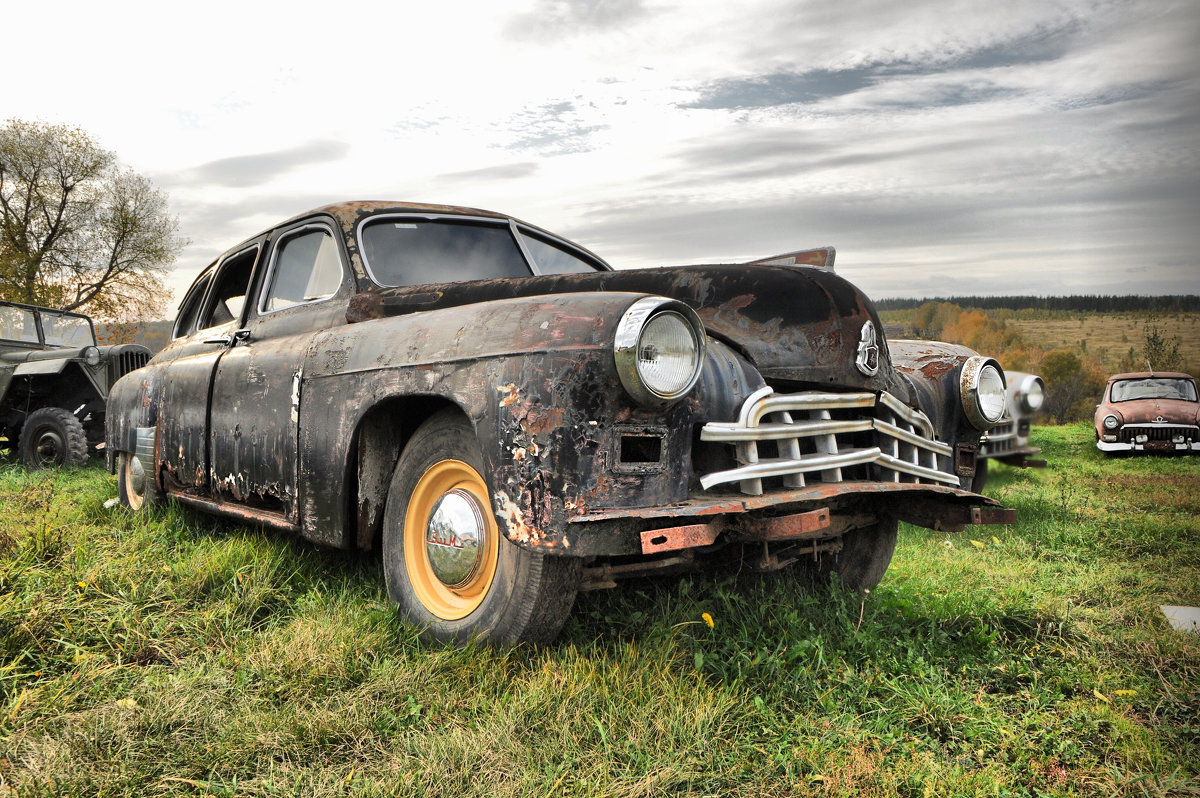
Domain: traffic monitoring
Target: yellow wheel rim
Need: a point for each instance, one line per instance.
(451, 542)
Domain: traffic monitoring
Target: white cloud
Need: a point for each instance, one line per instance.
(935, 143)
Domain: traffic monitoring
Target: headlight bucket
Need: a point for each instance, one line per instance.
(90, 355)
(1111, 422)
(659, 350)
(1032, 391)
(983, 392)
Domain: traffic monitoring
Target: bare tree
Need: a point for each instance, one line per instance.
(77, 231)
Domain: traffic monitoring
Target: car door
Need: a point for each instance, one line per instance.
(253, 421)
(206, 332)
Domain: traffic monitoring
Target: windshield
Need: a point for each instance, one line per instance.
(1154, 388)
(17, 324)
(63, 330)
(406, 251)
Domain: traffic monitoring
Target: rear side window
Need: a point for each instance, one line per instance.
(228, 295)
(403, 251)
(306, 268)
(189, 310)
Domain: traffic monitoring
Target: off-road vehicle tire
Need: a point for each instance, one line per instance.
(52, 438)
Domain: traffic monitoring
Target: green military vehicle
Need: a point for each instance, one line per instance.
(54, 383)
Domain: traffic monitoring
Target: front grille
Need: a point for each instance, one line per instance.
(828, 437)
(124, 362)
(1162, 433)
(1000, 439)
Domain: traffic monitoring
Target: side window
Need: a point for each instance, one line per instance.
(185, 322)
(228, 294)
(306, 268)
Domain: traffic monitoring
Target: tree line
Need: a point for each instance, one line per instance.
(1074, 381)
(1131, 303)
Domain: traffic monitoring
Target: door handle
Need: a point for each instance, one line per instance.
(229, 339)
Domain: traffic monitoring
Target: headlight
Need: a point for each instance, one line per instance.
(982, 389)
(1033, 394)
(91, 355)
(1111, 422)
(659, 350)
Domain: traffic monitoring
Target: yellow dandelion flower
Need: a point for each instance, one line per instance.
(708, 619)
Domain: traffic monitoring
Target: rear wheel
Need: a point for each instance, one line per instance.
(447, 565)
(135, 485)
(865, 556)
(53, 438)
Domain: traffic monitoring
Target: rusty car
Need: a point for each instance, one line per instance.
(508, 420)
(54, 383)
(1148, 411)
(1008, 441)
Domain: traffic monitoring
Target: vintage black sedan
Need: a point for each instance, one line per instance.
(509, 421)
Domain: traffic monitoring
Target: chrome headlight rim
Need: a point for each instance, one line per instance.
(1032, 393)
(626, 346)
(90, 355)
(981, 374)
(1116, 422)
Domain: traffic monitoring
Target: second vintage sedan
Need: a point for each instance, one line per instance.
(1008, 441)
(1148, 411)
(509, 421)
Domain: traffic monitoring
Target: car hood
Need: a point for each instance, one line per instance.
(793, 323)
(1148, 411)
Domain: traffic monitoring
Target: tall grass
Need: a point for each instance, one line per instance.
(171, 654)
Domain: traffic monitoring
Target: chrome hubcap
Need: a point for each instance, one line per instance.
(454, 538)
(136, 477)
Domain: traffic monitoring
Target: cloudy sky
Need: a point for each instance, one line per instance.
(943, 147)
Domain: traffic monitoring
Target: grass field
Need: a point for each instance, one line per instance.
(170, 654)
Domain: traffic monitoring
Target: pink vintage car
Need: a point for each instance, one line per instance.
(1149, 412)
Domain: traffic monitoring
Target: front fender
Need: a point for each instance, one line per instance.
(534, 375)
(132, 402)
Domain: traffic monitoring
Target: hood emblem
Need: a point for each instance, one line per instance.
(868, 351)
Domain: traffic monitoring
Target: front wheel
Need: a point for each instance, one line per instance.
(53, 438)
(979, 481)
(865, 556)
(447, 565)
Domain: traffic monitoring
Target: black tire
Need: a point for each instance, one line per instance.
(865, 556)
(979, 481)
(509, 595)
(53, 438)
(135, 486)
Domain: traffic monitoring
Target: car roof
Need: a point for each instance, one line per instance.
(349, 213)
(1142, 375)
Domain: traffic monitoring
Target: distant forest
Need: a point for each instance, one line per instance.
(1179, 303)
